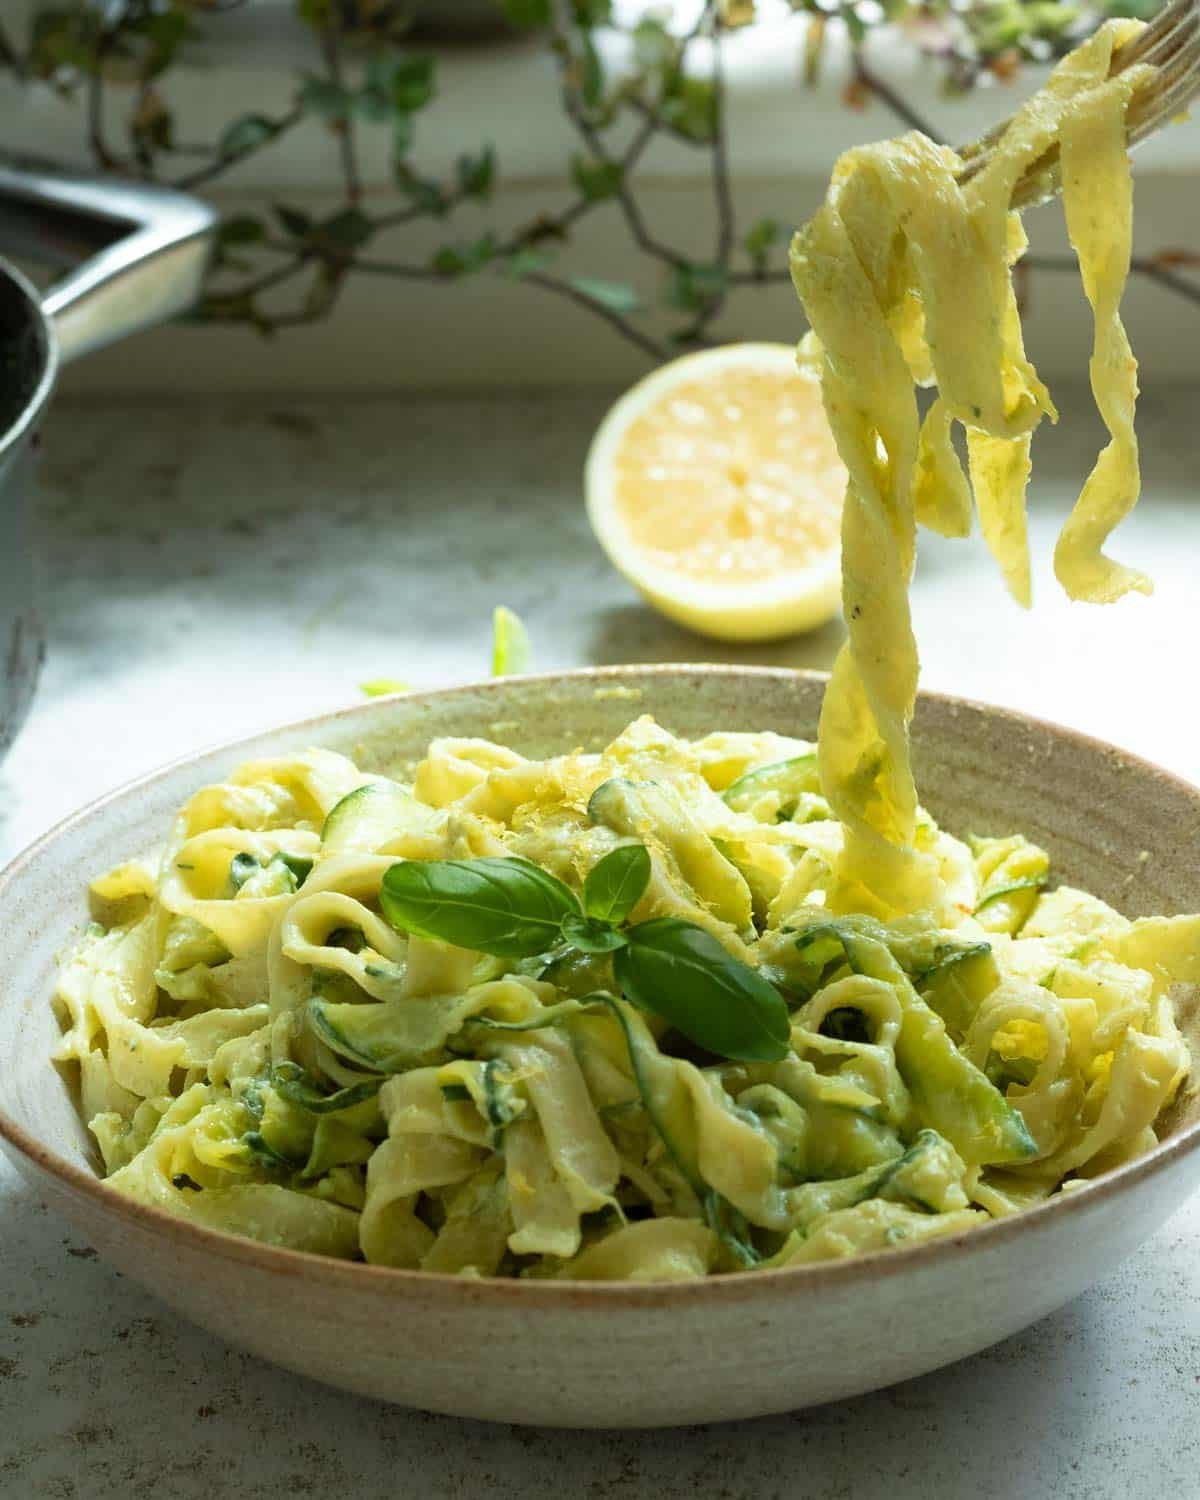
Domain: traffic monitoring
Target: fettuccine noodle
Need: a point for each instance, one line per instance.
(905, 276)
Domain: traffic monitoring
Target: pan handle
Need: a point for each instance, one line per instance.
(137, 252)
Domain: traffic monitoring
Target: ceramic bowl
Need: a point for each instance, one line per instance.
(611, 1354)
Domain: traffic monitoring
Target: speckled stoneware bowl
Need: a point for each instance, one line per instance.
(608, 1354)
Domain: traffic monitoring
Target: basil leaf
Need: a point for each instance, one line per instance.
(683, 974)
(616, 884)
(508, 907)
(590, 936)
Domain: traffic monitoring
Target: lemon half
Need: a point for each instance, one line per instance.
(715, 488)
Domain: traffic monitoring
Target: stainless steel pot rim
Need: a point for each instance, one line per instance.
(36, 404)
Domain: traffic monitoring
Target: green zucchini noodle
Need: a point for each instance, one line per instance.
(261, 1051)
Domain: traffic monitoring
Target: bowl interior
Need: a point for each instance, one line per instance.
(1113, 824)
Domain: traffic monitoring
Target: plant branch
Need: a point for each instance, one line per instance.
(590, 135)
(887, 95)
(9, 56)
(222, 162)
(661, 95)
(95, 110)
(332, 52)
(760, 276)
(1155, 268)
(262, 283)
(722, 191)
(655, 348)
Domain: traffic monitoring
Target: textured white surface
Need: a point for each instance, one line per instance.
(213, 568)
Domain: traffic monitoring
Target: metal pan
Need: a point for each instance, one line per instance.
(137, 255)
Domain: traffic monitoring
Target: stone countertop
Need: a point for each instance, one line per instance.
(216, 567)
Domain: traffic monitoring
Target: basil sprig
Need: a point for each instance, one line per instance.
(512, 908)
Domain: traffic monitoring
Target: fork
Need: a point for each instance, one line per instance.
(1170, 43)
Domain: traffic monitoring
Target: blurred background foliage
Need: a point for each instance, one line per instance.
(375, 70)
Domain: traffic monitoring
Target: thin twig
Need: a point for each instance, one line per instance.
(722, 196)
(1149, 266)
(9, 56)
(655, 348)
(1170, 279)
(95, 111)
(630, 208)
(760, 277)
(220, 164)
(887, 95)
(331, 51)
(262, 283)
(722, 190)
(394, 268)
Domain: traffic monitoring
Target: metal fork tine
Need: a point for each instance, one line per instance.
(1171, 102)
(1146, 45)
(1171, 44)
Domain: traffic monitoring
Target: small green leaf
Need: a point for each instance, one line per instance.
(324, 97)
(760, 239)
(476, 174)
(690, 108)
(412, 83)
(692, 287)
(856, 27)
(294, 220)
(448, 261)
(374, 105)
(682, 973)
(590, 936)
(510, 643)
(241, 229)
(349, 228)
(525, 263)
(246, 134)
(617, 296)
(653, 44)
(315, 13)
(591, 82)
(508, 907)
(380, 687)
(616, 884)
(528, 12)
(461, 260)
(596, 180)
(422, 192)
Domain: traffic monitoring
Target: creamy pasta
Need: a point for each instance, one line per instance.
(263, 1051)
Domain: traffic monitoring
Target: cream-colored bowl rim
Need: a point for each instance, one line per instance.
(447, 1289)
